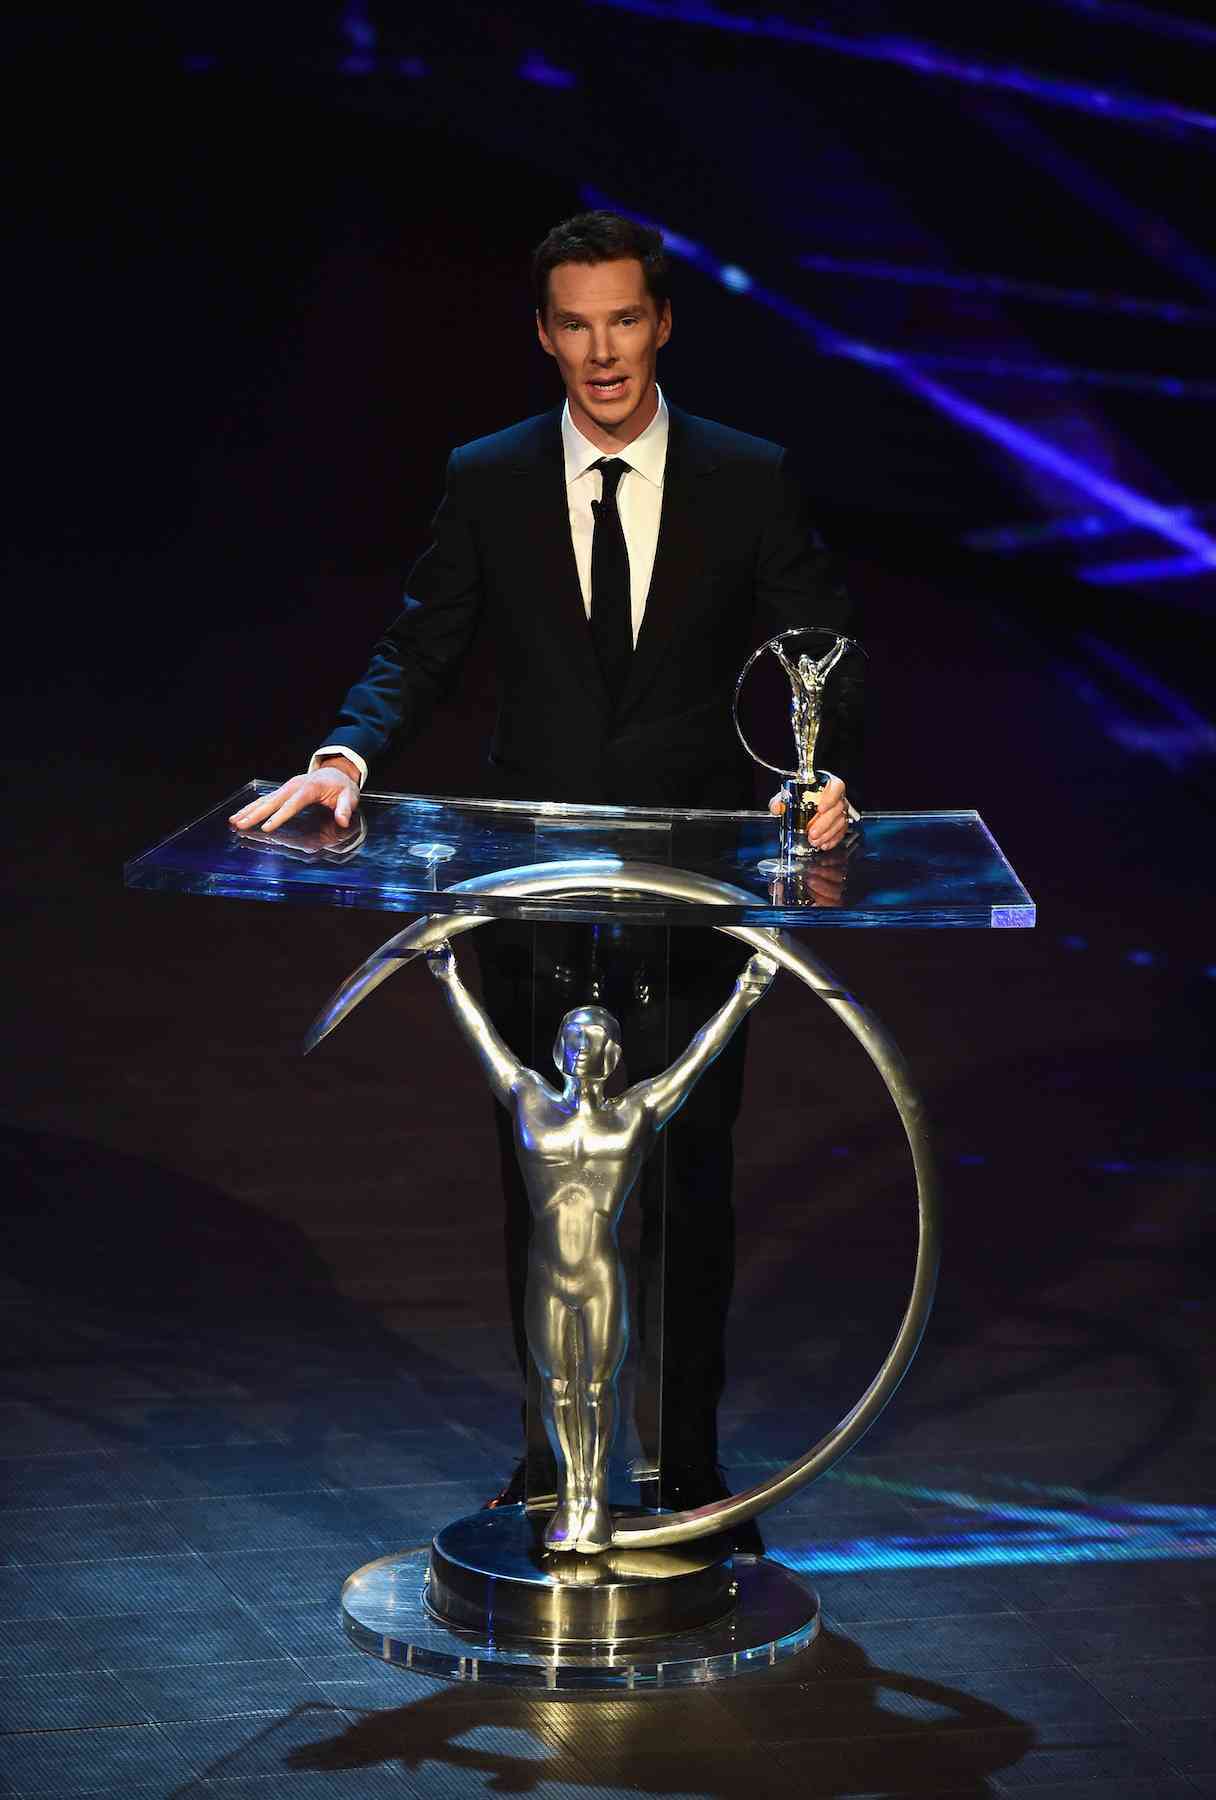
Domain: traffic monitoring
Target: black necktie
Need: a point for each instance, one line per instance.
(611, 614)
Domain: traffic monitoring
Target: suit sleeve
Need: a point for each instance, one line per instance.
(797, 584)
(421, 653)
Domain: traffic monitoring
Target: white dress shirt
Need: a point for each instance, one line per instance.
(639, 502)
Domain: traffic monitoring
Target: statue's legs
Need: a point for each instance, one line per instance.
(604, 1321)
(554, 1332)
(578, 1352)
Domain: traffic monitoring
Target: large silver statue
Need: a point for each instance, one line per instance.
(581, 1153)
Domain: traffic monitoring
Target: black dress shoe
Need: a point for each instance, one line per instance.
(682, 1489)
(516, 1490)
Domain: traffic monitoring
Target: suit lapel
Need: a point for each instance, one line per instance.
(544, 516)
(679, 553)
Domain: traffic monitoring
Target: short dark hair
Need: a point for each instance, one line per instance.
(596, 237)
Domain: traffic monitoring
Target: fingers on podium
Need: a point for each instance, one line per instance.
(273, 810)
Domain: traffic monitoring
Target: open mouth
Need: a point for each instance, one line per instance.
(608, 387)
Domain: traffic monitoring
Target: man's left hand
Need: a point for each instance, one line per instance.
(831, 821)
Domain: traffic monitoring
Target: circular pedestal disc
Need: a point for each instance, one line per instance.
(774, 1615)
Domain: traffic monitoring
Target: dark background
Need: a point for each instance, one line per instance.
(266, 267)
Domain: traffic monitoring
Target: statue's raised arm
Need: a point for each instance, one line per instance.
(663, 1095)
(503, 1070)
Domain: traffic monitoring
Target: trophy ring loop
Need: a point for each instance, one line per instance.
(608, 877)
(794, 631)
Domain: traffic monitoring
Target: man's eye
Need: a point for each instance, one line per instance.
(573, 325)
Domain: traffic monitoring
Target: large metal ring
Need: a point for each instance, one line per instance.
(606, 877)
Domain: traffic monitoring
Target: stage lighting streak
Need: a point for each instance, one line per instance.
(1093, 1529)
(927, 59)
(1175, 745)
(1079, 528)
(535, 69)
(1084, 1541)
(1173, 387)
(1015, 439)
(1143, 18)
(1136, 508)
(1173, 312)
(1172, 568)
(1188, 736)
(1106, 1507)
(1148, 230)
(1137, 676)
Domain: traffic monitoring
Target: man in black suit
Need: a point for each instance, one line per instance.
(626, 557)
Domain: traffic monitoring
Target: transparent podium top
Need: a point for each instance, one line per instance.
(406, 853)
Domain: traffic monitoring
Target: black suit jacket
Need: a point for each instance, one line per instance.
(737, 560)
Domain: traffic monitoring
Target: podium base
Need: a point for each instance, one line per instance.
(531, 1619)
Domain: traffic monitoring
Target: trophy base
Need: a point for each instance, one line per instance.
(774, 866)
(764, 1613)
(800, 795)
(493, 1569)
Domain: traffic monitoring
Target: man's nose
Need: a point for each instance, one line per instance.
(602, 350)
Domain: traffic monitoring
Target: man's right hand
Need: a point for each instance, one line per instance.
(333, 785)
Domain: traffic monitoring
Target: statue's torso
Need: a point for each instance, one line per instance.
(579, 1165)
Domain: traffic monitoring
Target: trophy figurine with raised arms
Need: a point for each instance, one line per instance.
(581, 1152)
(801, 786)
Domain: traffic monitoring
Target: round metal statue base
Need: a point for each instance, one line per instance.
(532, 1619)
(494, 1566)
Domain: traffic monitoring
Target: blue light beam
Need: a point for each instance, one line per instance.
(926, 59)
(1149, 569)
(1016, 440)
(1076, 528)
(1171, 312)
(988, 1531)
(1143, 18)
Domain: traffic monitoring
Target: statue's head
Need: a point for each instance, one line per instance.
(588, 1044)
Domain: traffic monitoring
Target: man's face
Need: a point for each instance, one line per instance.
(604, 331)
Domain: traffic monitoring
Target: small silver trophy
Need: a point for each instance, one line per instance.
(801, 786)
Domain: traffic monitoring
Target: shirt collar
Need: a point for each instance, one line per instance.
(647, 454)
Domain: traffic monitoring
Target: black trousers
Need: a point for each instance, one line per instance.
(622, 968)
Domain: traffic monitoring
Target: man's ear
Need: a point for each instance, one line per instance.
(546, 342)
(664, 331)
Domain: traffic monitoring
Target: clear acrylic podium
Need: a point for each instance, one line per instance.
(603, 887)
